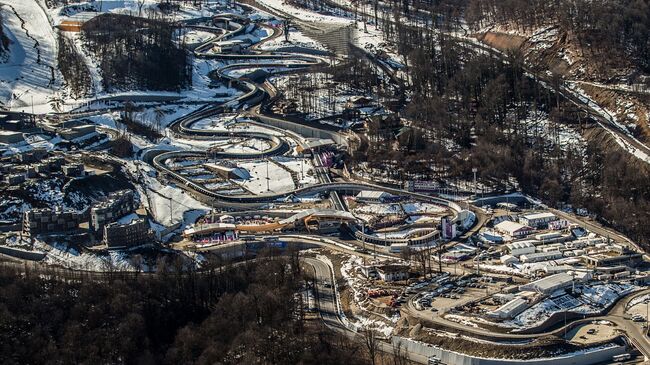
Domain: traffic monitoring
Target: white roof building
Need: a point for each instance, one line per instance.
(537, 219)
(540, 256)
(582, 275)
(548, 284)
(373, 196)
(508, 259)
(520, 248)
(510, 309)
(554, 269)
(513, 229)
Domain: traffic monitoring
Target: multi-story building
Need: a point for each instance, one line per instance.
(14, 179)
(116, 205)
(133, 233)
(48, 221)
(72, 170)
(35, 155)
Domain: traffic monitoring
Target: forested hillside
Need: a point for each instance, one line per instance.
(137, 53)
(470, 109)
(74, 69)
(612, 33)
(233, 315)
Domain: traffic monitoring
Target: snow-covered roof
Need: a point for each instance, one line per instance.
(509, 226)
(207, 228)
(316, 212)
(239, 172)
(519, 245)
(371, 194)
(508, 258)
(232, 42)
(128, 218)
(541, 215)
(513, 307)
(558, 268)
(549, 283)
(315, 143)
(540, 256)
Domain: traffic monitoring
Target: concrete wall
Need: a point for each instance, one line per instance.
(304, 130)
(10, 227)
(22, 254)
(515, 198)
(138, 98)
(450, 357)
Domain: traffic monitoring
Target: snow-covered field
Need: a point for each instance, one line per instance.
(168, 204)
(31, 142)
(59, 254)
(296, 39)
(302, 166)
(279, 180)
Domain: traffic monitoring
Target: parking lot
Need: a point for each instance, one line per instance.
(445, 291)
(592, 333)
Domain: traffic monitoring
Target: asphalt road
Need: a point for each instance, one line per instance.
(325, 294)
(327, 303)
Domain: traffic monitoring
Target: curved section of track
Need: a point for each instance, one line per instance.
(254, 95)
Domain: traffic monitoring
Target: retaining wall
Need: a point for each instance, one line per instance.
(22, 254)
(450, 357)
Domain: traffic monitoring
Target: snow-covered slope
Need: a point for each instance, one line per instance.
(31, 71)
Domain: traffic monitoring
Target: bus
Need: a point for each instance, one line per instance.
(621, 357)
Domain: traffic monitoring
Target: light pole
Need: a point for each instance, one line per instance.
(267, 176)
(171, 211)
(302, 169)
(647, 311)
(474, 171)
